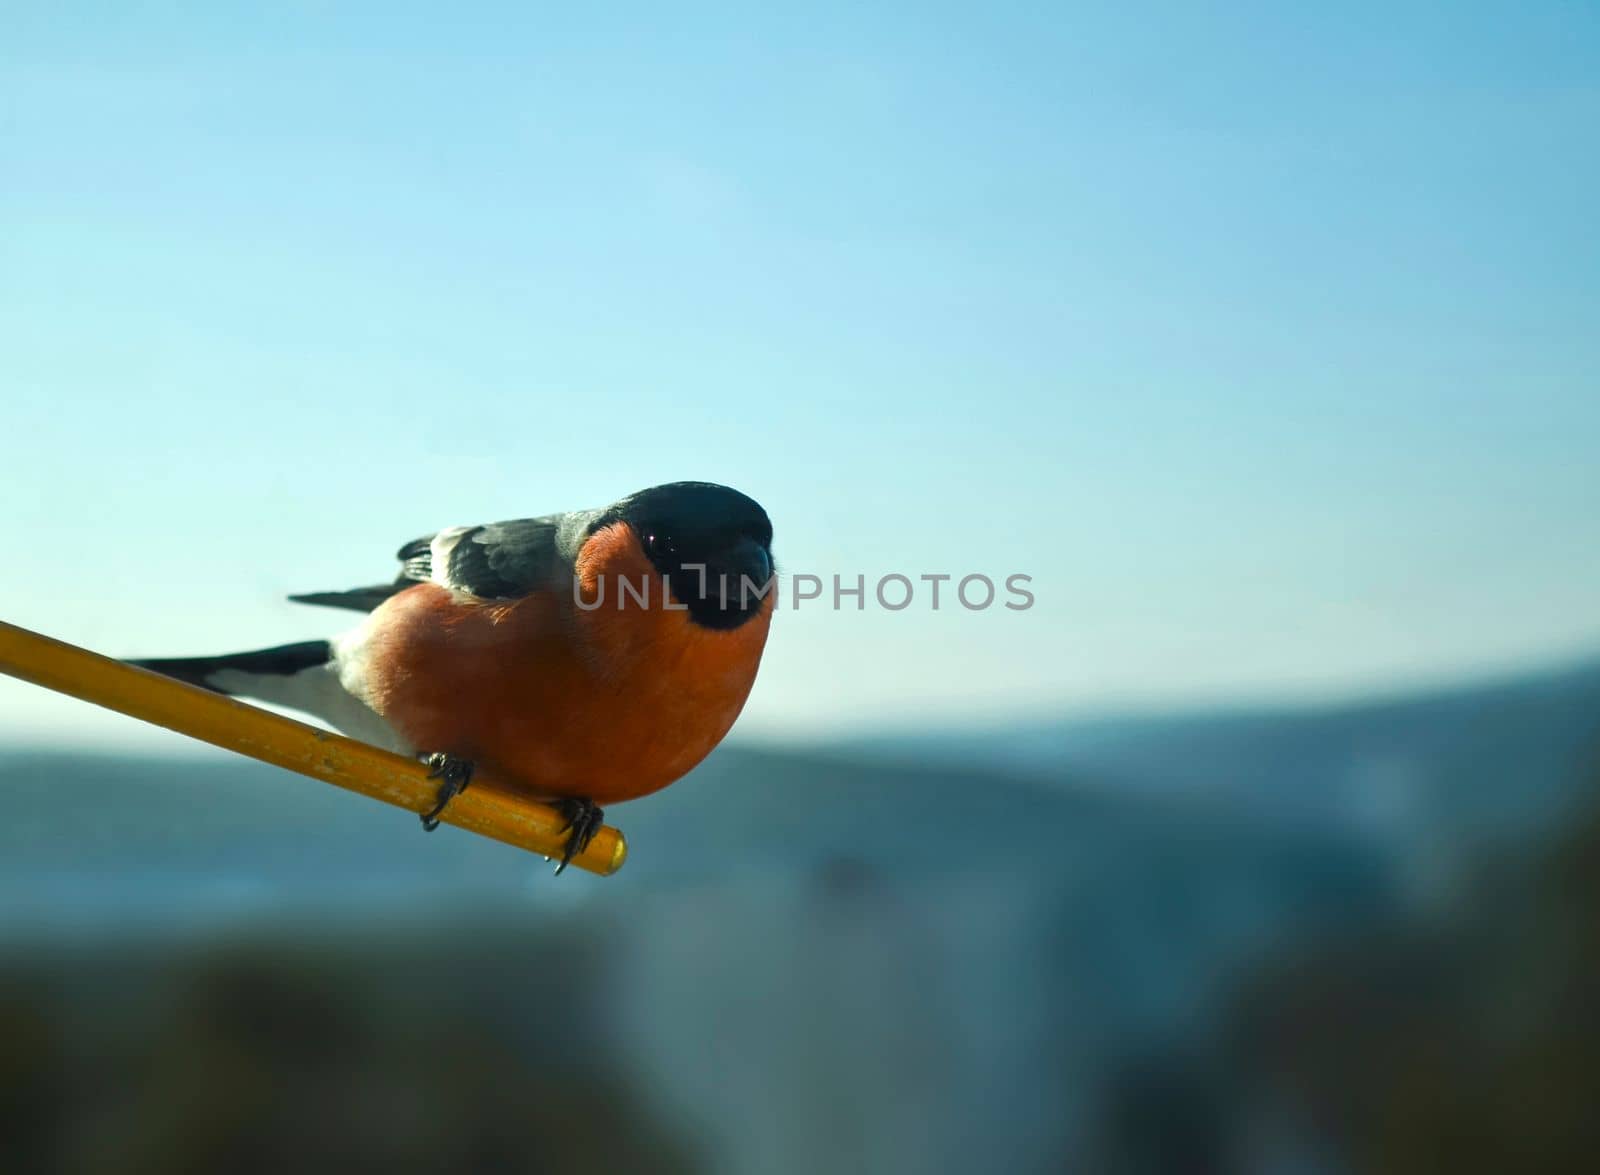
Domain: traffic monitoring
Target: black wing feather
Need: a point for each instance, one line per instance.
(496, 561)
(504, 560)
(362, 599)
(416, 560)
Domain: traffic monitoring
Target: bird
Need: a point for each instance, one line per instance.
(585, 658)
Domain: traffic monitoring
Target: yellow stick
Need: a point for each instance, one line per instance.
(485, 808)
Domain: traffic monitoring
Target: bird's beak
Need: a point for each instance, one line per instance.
(751, 560)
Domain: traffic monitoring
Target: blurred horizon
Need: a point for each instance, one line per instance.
(1142, 945)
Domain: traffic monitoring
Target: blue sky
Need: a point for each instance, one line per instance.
(1265, 339)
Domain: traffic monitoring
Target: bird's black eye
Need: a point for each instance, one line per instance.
(660, 542)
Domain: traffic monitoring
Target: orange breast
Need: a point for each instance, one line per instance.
(609, 704)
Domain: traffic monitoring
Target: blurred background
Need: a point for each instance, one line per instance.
(1262, 338)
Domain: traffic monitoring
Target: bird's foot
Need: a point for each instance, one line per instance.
(453, 774)
(584, 819)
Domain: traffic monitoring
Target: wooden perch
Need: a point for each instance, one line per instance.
(486, 807)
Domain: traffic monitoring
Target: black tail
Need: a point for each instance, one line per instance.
(283, 661)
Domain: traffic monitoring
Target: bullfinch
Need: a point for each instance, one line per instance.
(585, 658)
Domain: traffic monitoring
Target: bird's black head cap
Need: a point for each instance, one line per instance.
(713, 544)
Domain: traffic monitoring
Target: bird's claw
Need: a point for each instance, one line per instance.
(453, 774)
(584, 819)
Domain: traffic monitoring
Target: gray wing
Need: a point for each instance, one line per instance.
(495, 561)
